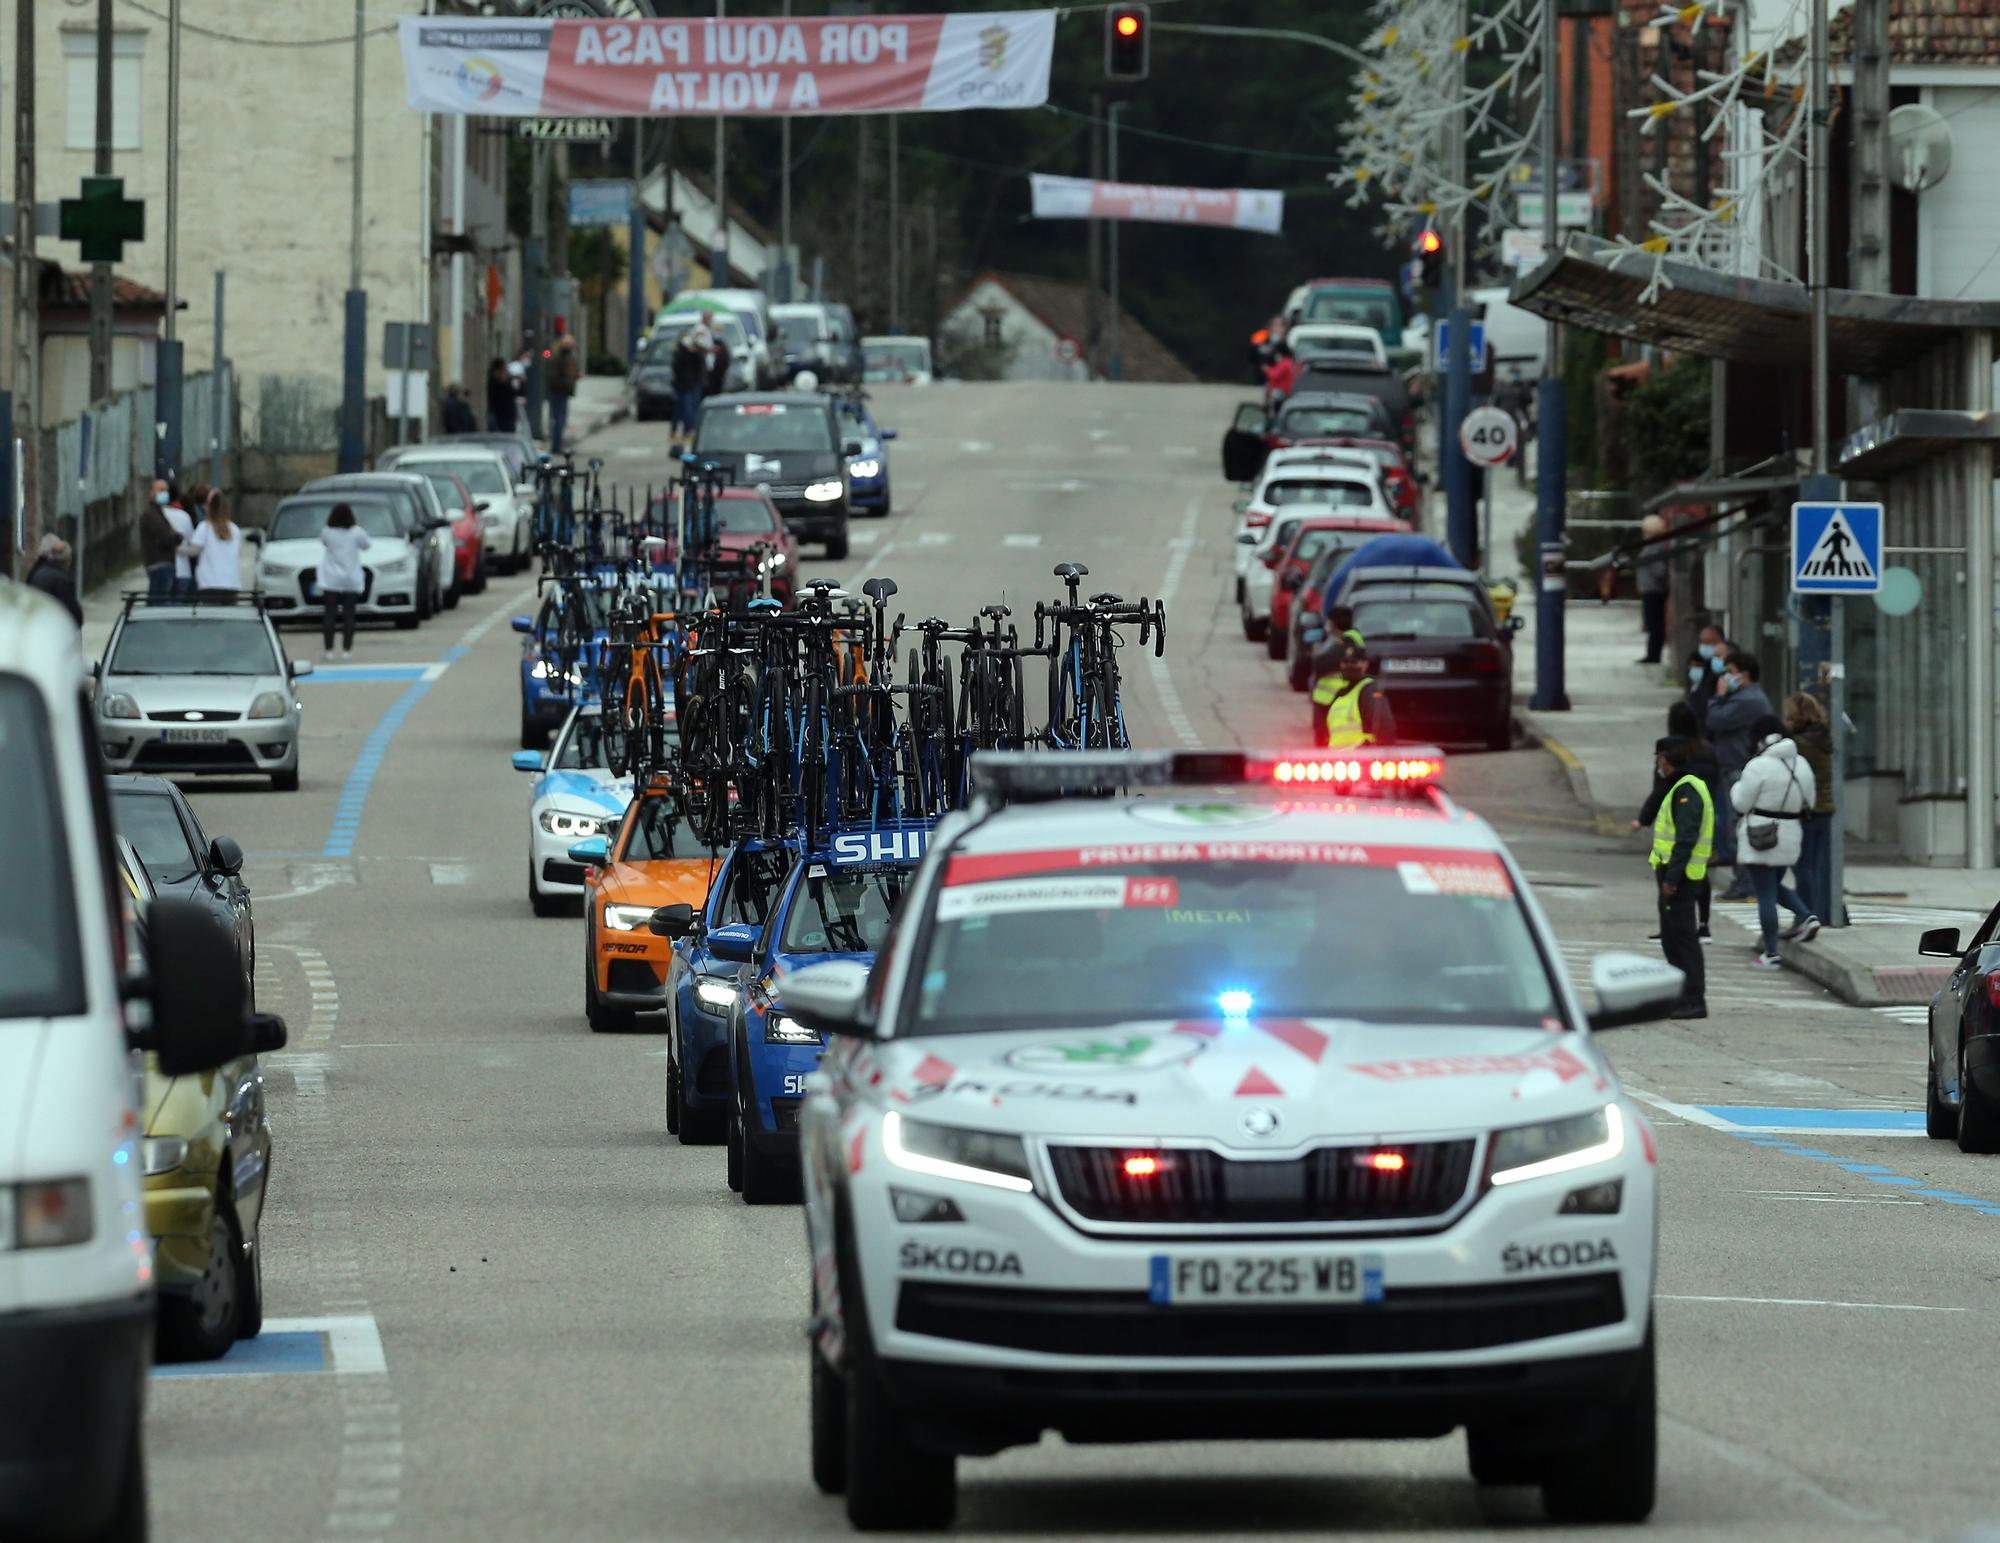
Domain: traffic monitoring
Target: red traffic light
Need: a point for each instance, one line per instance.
(1127, 43)
(1430, 241)
(1127, 24)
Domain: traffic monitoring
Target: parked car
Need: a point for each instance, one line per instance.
(1436, 650)
(819, 337)
(392, 565)
(505, 512)
(1962, 1046)
(420, 514)
(902, 360)
(156, 817)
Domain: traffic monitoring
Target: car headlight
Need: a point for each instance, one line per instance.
(946, 1152)
(714, 996)
(627, 918)
(119, 705)
(268, 704)
(164, 1154)
(780, 1030)
(401, 568)
(823, 492)
(864, 468)
(1534, 1151)
(52, 1213)
(560, 822)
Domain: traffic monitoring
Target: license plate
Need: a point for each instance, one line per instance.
(194, 736)
(1413, 667)
(1197, 1280)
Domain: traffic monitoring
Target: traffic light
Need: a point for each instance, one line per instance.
(1128, 42)
(1430, 252)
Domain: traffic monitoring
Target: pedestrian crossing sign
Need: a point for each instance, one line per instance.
(1836, 549)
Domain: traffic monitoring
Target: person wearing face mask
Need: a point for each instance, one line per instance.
(1705, 667)
(1739, 705)
(159, 542)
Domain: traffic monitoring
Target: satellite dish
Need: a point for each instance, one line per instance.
(1919, 147)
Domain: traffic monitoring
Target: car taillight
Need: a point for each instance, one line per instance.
(1255, 521)
(1485, 658)
(1309, 599)
(1273, 557)
(1993, 991)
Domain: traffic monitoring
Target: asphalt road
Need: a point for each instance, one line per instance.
(584, 1335)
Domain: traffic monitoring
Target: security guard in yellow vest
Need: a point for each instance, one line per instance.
(1683, 840)
(1356, 712)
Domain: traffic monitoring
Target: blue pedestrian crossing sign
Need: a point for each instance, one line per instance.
(1836, 549)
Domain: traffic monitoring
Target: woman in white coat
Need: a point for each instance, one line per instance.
(1770, 798)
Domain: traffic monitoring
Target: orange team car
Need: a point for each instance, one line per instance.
(652, 859)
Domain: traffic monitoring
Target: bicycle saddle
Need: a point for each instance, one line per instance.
(597, 463)
(1070, 570)
(997, 612)
(879, 590)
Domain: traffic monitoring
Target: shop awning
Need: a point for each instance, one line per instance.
(1595, 285)
(1910, 436)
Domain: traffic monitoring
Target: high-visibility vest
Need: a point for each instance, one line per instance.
(1663, 829)
(1343, 719)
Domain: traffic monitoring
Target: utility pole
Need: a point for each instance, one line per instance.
(1115, 365)
(1551, 412)
(354, 353)
(535, 297)
(167, 374)
(1093, 325)
(718, 263)
(100, 273)
(1869, 262)
(859, 294)
(1461, 524)
(895, 227)
(635, 249)
(27, 281)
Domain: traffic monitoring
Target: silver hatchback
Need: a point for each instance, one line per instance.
(199, 688)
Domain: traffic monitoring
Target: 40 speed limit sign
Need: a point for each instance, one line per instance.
(1489, 436)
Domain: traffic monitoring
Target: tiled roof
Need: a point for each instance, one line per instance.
(1059, 305)
(65, 287)
(1931, 32)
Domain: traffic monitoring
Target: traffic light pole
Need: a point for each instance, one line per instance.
(1461, 518)
(1551, 425)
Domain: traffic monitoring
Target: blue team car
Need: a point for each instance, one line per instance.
(868, 471)
(836, 904)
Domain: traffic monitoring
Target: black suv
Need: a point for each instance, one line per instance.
(789, 443)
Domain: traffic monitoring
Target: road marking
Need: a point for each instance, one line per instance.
(353, 800)
(1170, 583)
(974, 446)
(351, 674)
(1067, 485)
(1772, 1120)
(451, 873)
(1916, 1015)
(348, 1345)
(934, 537)
(1025, 538)
(868, 535)
(1879, 1307)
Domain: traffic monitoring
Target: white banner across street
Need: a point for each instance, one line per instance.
(1079, 198)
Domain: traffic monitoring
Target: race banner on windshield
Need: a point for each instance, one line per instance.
(1079, 198)
(746, 68)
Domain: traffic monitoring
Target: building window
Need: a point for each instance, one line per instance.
(993, 319)
(128, 55)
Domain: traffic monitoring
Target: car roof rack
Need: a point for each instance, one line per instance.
(213, 600)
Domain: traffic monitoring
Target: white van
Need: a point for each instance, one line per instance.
(76, 1264)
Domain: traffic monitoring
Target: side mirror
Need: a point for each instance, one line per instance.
(1241, 506)
(735, 943)
(298, 669)
(888, 433)
(852, 447)
(525, 625)
(527, 760)
(226, 855)
(1247, 538)
(482, 504)
(831, 998)
(201, 1016)
(1291, 578)
(1940, 943)
(1516, 623)
(673, 921)
(1632, 988)
(591, 852)
(267, 1033)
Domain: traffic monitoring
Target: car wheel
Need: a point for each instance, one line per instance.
(250, 1322)
(127, 1521)
(1501, 735)
(764, 1180)
(1494, 1460)
(892, 1483)
(201, 1326)
(1612, 1480)
(675, 1099)
(733, 1139)
(828, 1403)
(1296, 667)
(1274, 641)
(478, 585)
(285, 781)
(539, 903)
(1253, 630)
(408, 623)
(1239, 589)
(1978, 1120)
(602, 1019)
(1940, 1123)
(836, 547)
(454, 594)
(695, 1127)
(424, 607)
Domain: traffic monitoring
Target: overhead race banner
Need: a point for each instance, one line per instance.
(1079, 198)
(748, 68)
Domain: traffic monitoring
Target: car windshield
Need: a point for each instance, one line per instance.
(1336, 495)
(771, 428)
(582, 748)
(1313, 542)
(194, 643)
(843, 910)
(1392, 936)
(41, 972)
(1416, 618)
(1323, 422)
(799, 331)
(660, 831)
(482, 476)
(304, 521)
(1376, 309)
(511, 451)
(660, 349)
(1352, 345)
(751, 888)
(400, 500)
(149, 822)
(892, 361)
(448, 491)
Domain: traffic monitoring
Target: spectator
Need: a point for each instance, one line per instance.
(690, 376)
(500, 411)
(563, 372)
(51, 575)
(1683, 832)
(1805, 721)
(1652, 570)
(342, 578)
(217, 549)
(1699, 762)
(159, 542)
(1711, 654)
(1739, 706)
(718, 370)
(1771, 798)
(176, 511)
(459, 417)
(1280, 375)
(1356, 711)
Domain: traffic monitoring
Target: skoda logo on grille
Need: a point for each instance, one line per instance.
(1262, 1120)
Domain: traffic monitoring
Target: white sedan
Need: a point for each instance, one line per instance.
(1172, 1121)
(1319, 486)
(289, 557)
(507, 517)
(575, 796)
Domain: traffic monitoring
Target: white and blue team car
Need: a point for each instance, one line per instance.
(1207, 1116)
(575, 796)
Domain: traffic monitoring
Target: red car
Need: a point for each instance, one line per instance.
(745, 517)
(1303, 597)
(1404, 495)
(468, 530)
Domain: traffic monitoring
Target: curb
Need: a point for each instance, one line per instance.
(1602, 818)
(1862, 985)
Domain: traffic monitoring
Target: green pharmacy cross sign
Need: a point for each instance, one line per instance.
(103, 219)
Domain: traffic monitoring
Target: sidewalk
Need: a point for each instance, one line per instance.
(600, 401)
(1604, 743)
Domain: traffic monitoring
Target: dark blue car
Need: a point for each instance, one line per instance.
(836, 904)
(702, 988)
(868, 472)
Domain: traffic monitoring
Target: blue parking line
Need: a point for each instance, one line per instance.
(348, 674)
(1852, 1122)
(353, 800)
(268, 1354)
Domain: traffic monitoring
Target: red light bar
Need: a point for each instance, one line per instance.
(1141, 1165)
(1385, 1162)
(1355, 769)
